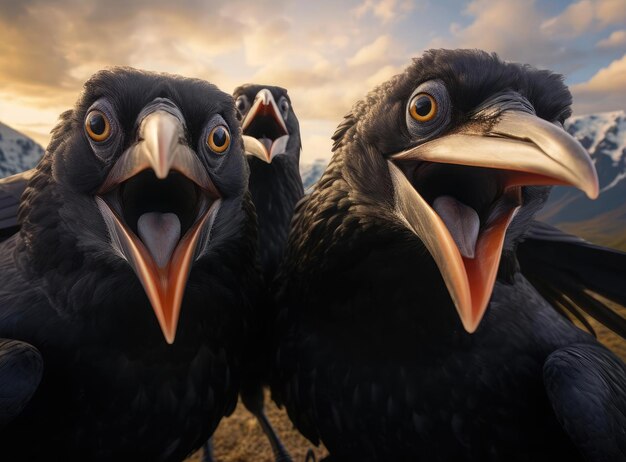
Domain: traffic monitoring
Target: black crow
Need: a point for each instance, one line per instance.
(394, 258)
(133, 278)
(271, 136)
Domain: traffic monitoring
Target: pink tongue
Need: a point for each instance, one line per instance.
(267, 143)
(462, 222)
(160, 232)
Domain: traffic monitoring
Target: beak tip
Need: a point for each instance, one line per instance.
(470, 325)
(594, 191)
(169, 337)
(470, 329)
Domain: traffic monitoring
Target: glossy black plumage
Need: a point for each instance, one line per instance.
(276, 186)
(112, 388)
(11, 189)
(371, 358)
(571, 273)
(21, 368)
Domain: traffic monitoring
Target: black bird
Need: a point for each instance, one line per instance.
(139, 207)
(393, 259)
(271, 135)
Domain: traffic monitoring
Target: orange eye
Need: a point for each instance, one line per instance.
(218, 139)
(97, 126)
(423, 107)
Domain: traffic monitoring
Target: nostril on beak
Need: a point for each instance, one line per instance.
(265, 96)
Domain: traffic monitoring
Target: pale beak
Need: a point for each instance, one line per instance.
(163, 256)
(523, 150)
(265, 133)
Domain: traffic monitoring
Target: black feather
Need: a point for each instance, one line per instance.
(561, 265)
(11, 189)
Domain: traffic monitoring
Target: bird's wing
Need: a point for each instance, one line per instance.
(21, 367)
(586, 384)
(11, 189)
(576, 276)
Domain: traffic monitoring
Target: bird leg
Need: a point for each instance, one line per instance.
(207, 455)
(280, 453)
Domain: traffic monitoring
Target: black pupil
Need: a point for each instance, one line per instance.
(219, 137)
(240, 105)
(423, 105)
(97, 124)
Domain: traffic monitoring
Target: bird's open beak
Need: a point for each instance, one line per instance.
(264, 131)
(158, 202)
(460, 192)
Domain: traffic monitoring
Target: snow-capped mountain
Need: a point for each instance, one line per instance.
(311, 172)
(603, 220)
(17, 152)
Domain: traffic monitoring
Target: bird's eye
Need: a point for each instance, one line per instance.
(284, 107)
(218, 139)
(428, 110)
(242, 103)
(97, 126)
(423, 107)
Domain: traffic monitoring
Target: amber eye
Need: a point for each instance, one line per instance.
(423, 107)
(97, 125)
(218, 139)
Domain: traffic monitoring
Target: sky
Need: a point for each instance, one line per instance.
(327, 53)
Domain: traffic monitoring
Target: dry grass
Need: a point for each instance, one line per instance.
(240, 439)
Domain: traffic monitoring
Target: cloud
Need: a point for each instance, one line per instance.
(513, 29)
(262, 41)
(586, 15)
(383, 74)
(49, 48)
(327, 54)
(604, 91)
(385, 10)
(372, 53)
(616, 39)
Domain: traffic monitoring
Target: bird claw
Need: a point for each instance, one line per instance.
(310, 456)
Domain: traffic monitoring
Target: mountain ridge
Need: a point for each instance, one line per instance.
(18, 152)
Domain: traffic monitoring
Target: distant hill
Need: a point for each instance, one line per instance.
(604, 220)
(311, 172)
(17, 151)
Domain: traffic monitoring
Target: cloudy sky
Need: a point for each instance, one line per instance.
(327, 53)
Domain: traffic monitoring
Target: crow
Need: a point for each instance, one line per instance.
(271, 136)
(405, 328)
(131, 285)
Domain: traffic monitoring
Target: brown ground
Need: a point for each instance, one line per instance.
(240, 439)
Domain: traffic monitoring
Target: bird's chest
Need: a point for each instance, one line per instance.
(465, 401)
(107, 405)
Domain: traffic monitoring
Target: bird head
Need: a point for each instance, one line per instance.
(463, 147)
(152, 171)
(270, 127)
